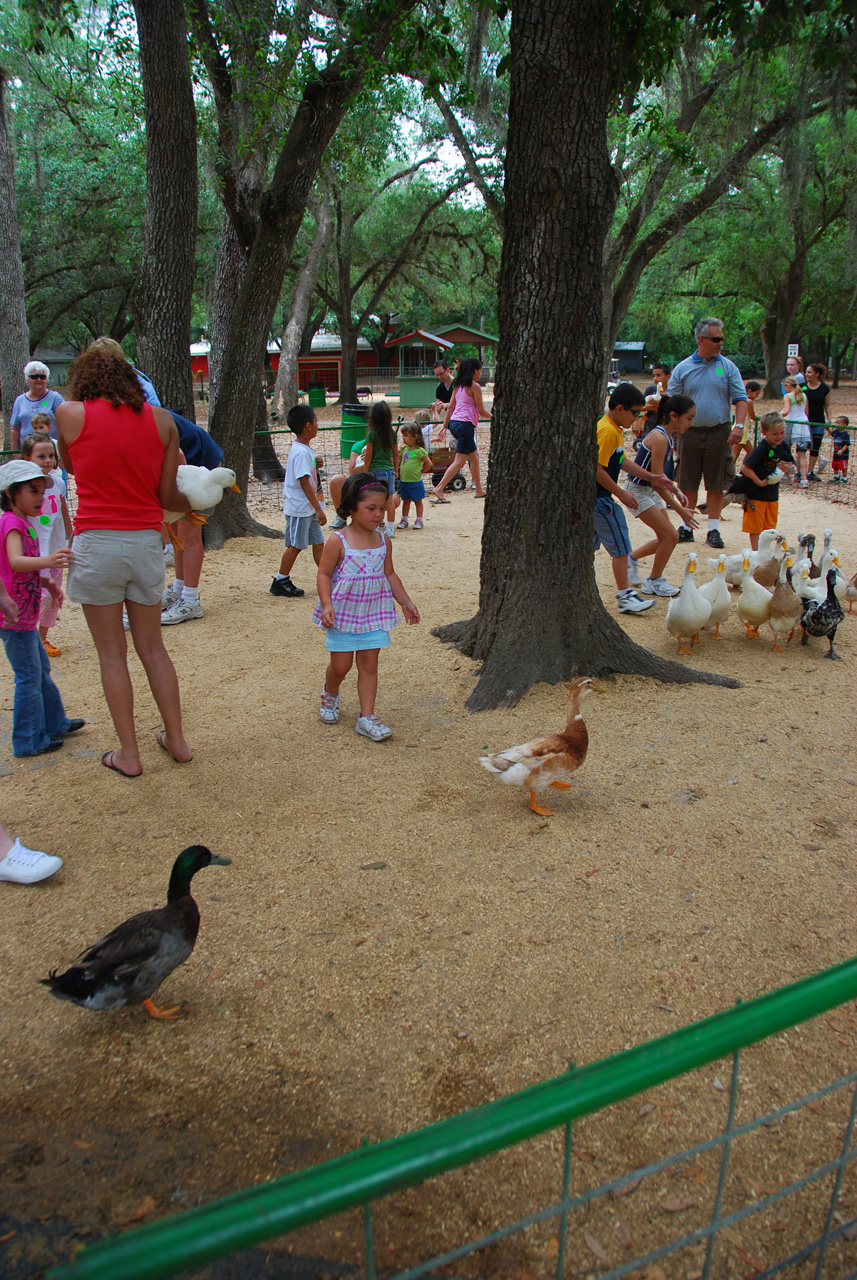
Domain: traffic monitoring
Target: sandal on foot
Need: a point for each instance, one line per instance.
(440, 501)
(107, 761)
(161, 739)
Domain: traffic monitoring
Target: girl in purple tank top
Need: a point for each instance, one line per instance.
(462, 416)
(357, 586)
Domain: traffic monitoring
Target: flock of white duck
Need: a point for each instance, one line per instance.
(775, 586)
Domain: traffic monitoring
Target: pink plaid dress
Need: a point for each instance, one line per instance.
(360, 592)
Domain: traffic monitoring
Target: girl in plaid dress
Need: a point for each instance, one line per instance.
(357, 586)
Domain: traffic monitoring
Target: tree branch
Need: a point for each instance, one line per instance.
(477, 177)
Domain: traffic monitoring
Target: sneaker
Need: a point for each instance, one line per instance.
(169, 554)
(403, 523)
(169, 598)
(685, 535)
(181, 611)
(338, 523)
(329, 707)
(285, 587)
(634, 575)
(812, 476)
(373, 727)
(391, 529)
(658, 587)
(713, 539)
(418, 524)
(27, 866)
(804, 484)
(630, 602)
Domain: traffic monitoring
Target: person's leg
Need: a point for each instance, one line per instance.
(620, 571)
(290, 555)
(56, 720)
(803, 464)
(473, 459)
(452, 470)
(105, 627)
(335, 489)
(29, 735)
(317, 549)
(367, 679)
(714, 497)
(418, 508)
(192, 556)
(338, 666)
(406, 508)
(665, 540)
(148, 640)
(754, 542)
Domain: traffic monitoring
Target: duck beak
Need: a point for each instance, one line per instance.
(234, 488)
(217, 861)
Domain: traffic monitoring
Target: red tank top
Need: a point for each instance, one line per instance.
(117, 460)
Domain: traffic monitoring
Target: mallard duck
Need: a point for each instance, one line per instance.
(851, 593)
(203, 489)
(786, 606)
(128, 964)
(821, 618)
(689, 611)
(735, 564)
(754, 601)
(547, 762)
(717, 594)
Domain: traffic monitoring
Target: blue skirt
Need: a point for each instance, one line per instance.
(337, 641)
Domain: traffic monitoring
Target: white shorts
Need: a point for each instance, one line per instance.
(647, 498)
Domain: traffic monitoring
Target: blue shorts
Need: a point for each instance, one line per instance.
(303, 531)
(336, 641)
(464, 435)
(611, 528)
(389, 478)
(412, 490)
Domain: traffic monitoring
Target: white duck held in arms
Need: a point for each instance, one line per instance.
(203, 488)
(689, 611)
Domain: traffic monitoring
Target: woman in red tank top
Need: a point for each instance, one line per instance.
(123, 455)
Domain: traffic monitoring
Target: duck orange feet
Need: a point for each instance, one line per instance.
(541, 810)
(166, 1015)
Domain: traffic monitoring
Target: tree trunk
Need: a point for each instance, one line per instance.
(348, 361)
(540, 614)
(14, 334)
(318, 116)
(284, 389)
(266, 464)
(779, 325)
(162, 302)
(228, 277)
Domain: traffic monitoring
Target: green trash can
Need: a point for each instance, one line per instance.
(352, 428)
(316, 395)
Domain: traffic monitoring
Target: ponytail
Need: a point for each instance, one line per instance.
(668, 405)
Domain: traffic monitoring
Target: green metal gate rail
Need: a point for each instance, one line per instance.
(253, 1216)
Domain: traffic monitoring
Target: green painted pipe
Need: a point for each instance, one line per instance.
(261, 1212)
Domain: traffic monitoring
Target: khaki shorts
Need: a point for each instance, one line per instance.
(112, 565)
(703, 456)
(647, 498)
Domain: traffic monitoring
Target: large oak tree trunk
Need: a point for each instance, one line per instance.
(540, 615)
(284, 389)
(14, 334)
(162, 303)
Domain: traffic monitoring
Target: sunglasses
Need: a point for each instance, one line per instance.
(37, 377)
(710, 339)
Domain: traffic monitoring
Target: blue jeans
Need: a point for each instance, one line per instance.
(38, 713)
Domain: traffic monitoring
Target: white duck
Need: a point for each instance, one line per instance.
(816, 588)
(754, 601)
(689, 611)
(202, 488)
(786, 607)
(717, 594)
(735, 564)
(804, 586)
(851, 593)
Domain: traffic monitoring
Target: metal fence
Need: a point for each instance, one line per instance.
(356, 1180)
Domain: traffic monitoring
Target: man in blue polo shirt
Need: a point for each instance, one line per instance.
(714, 384)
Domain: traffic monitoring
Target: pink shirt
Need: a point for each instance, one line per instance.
(464, 409)
(24, 588)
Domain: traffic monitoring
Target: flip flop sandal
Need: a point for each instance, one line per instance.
(161, 739)
(440, 502)
(107, 761)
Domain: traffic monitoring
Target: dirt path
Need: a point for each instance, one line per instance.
(398, 937)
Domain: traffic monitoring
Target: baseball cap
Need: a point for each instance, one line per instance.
(18, 471)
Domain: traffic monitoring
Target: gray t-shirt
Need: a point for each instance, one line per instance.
(24, 408)
(713, 386)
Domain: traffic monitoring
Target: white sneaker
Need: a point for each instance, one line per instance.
(373, 727)
(329, 707)
(391, 529)
(169, 598)
(804, 484)
(27, 866)
(338, 523)
(658, 587)
(630, 602)
(181, 611)
(403, 523)
(418, 524)
(634, 575)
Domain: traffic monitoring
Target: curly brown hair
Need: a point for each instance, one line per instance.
(97, 372)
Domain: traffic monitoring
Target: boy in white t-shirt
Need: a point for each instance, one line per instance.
(301, 504)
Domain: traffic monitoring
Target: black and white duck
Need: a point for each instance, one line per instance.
(128, 964)
(821, 618)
